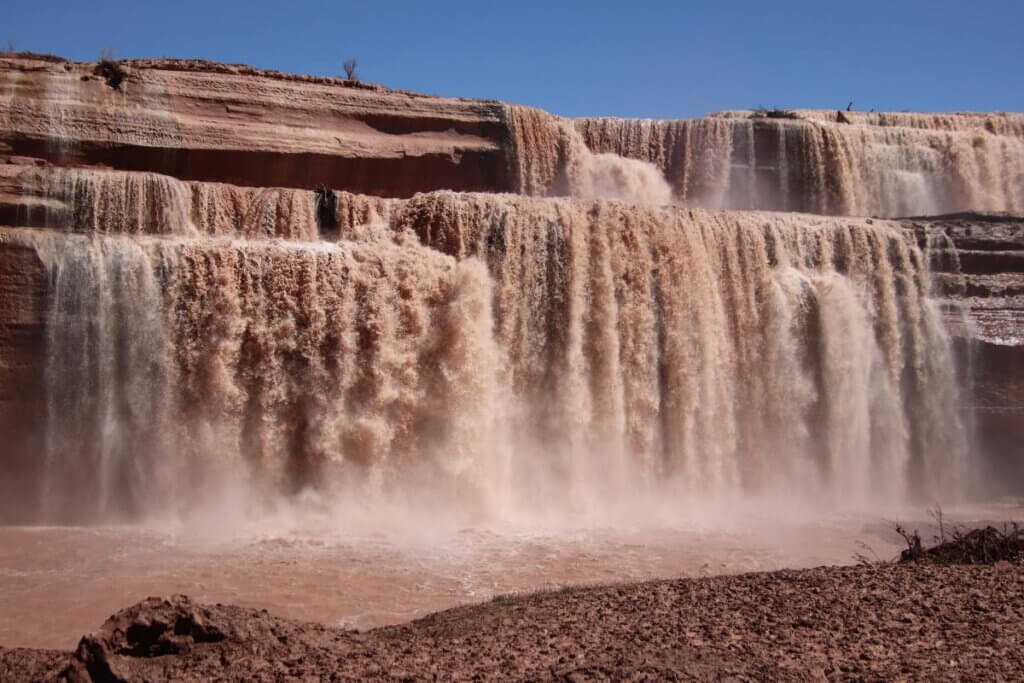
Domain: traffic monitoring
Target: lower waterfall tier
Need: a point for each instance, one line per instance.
(503, 352)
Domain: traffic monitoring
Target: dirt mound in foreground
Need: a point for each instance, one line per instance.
(921, 621)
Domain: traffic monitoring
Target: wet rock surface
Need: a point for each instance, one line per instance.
(978, 272)
(880, 622)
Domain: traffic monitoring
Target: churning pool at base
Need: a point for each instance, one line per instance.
(57, 583)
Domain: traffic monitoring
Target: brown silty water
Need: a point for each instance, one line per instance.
(421, 402)
(876, 165)
(505, 351)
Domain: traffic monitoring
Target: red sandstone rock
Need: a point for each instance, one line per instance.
(200, 121)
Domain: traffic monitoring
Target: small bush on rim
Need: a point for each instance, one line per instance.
(350, 67)
(110, 69)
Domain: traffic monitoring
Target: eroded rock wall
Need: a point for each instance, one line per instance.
(248, 127)
(978, 262)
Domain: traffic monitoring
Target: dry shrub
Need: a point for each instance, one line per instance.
(350, 67)
(110, 69)
(985, 545)
(763, 113)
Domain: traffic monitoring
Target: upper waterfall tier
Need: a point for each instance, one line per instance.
(870, 165)
(233, 124)
(143, 203)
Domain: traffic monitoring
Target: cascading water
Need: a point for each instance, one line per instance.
(725, 352)
(429, 399)
(91, 201)
(116, 202)
(508, 353)
(106, 379)
(694, 155)
(879, 164)
(169, 360)
(551, 158)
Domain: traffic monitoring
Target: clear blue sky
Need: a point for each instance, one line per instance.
(649, 59)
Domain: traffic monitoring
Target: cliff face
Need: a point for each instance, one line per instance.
(979, 269)
(174, 291)
(23, 302)
(197, 121)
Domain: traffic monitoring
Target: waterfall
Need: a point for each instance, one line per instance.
(106, 378)
(169, 360)
(120, 202)
(550, 158)
(90, 201)
(515, 353)
(879, 164)
(723, 351)
(693, 155)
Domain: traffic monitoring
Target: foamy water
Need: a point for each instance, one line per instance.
(494, 353)
(878, 164)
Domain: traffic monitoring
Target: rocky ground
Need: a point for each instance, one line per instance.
(871, 622)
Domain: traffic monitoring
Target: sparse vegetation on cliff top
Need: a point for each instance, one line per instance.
(110, 69)
(765, 113)
(350, 67)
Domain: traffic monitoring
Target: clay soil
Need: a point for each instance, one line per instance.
(880, 622)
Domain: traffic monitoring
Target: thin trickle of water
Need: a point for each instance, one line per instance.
(59, 115)
(10, 87)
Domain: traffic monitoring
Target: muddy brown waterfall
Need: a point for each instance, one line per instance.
(508, 314)
(171, 364)
(720, 352)
(878, 164)
(506, 353)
